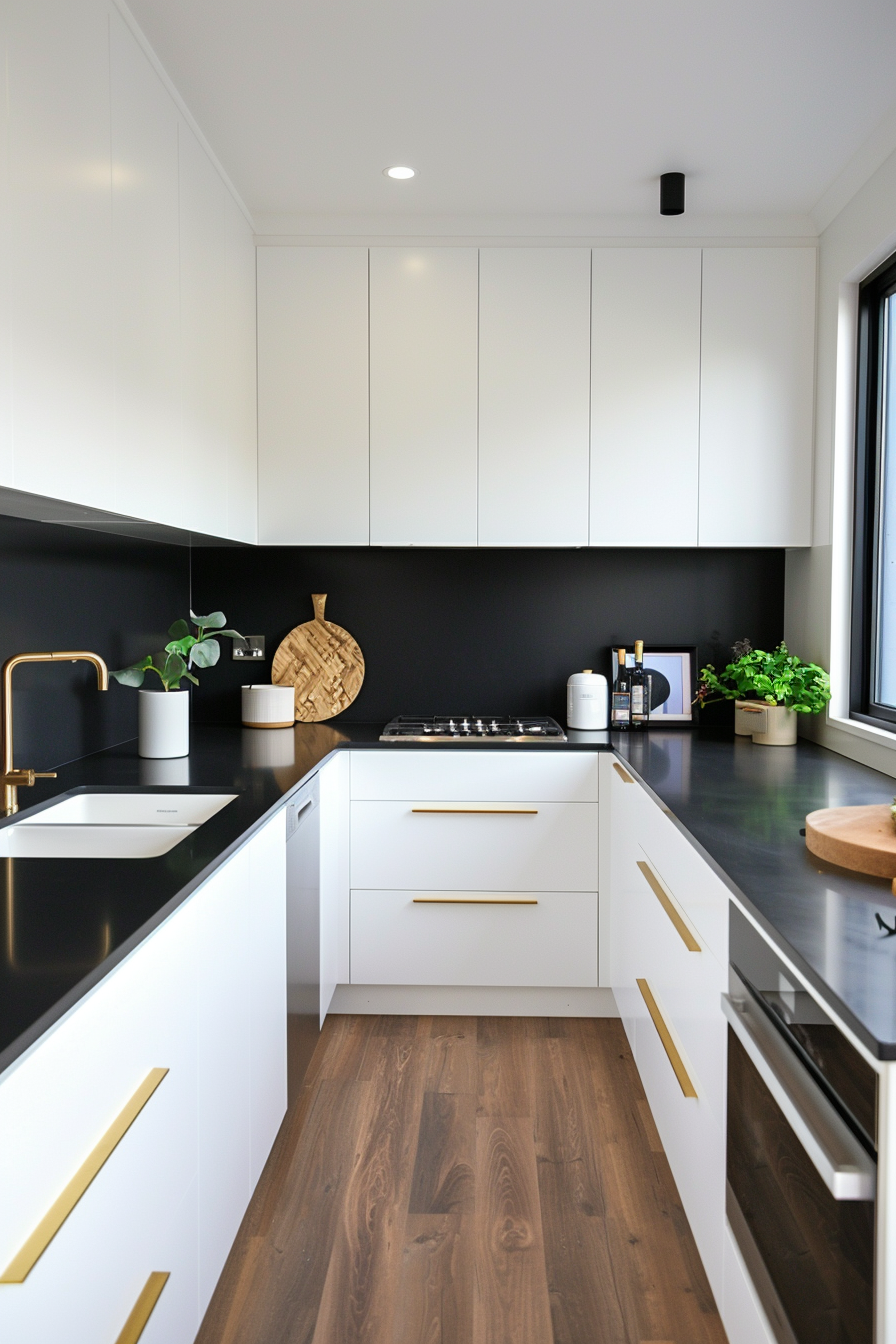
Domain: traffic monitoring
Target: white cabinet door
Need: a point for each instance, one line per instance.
(241, 411)
(202, 488)
(6, 263)
(267, 987)
(223, 1061)
(645, 396)
(534, 376)
(313, 428)
(145, 250)
(60, 239)
(756, 396)
(423, 396)
(334, 877)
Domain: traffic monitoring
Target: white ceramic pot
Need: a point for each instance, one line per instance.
(746, 716)
(163, 723)
(775, 726)
(268, 706)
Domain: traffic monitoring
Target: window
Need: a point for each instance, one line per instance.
(873, 660)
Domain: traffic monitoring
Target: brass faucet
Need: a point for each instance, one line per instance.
(12, 779)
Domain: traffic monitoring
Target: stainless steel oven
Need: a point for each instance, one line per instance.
(801, 1151)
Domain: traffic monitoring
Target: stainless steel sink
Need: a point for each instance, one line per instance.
(110, 825)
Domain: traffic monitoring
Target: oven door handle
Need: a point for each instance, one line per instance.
(836, 1154)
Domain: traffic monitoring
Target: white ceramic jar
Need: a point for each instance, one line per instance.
(268, 706)
(163, 723)
(586, 701)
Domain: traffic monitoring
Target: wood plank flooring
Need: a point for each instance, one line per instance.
(466, 1180)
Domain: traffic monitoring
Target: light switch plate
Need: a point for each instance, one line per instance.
(250, 649)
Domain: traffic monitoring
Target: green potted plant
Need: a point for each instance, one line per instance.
(768, 690)
(163, 716)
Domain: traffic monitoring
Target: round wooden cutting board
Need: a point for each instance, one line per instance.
(324, 664)
(860, 838)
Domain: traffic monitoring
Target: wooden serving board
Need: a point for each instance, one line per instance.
(860, 838)
(324, 664)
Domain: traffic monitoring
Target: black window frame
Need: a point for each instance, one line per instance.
(873, 292)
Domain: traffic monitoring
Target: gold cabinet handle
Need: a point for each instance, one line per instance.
(474, 900)
(623, 774)
(143, 1308)
(670, 907)
(665, 1035)
(27, 1257)
(481, 811)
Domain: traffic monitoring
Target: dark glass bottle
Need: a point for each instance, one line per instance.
(639, 689)
(621, 716)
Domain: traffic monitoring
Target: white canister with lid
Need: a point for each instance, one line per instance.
(586, 701)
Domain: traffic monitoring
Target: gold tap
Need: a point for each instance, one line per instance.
(13, 779)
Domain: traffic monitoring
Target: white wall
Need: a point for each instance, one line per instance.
(816, 601)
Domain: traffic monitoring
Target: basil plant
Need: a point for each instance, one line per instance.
(776, 678)
(184, 651)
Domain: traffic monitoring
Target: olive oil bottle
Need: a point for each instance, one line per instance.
(639, 689)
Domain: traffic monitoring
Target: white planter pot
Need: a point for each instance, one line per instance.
(768, 725)
(163, 723)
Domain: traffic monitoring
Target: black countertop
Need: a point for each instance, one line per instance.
(745, 805)
(68, 922)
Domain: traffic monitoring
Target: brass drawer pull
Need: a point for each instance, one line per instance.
(623, 774)
(474, 900)
(481, 811)
(653, 1008)
(143, 1309)
(670, 907)
(25, 1259)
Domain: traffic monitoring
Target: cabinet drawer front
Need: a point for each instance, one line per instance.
(689, 983)
(686, 875)
(527, 847)
(475, 772)
(511, 938)
(693, 1140)
(62, 1098)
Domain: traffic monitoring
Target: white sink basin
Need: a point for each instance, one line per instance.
(110, 825)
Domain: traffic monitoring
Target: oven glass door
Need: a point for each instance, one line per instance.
(811, 1256)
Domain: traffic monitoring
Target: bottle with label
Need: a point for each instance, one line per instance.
(639, 689)
(621, 716)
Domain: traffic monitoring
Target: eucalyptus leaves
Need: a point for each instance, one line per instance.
(172, 664)
(777, 678)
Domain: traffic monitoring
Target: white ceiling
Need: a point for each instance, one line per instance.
(515, 108)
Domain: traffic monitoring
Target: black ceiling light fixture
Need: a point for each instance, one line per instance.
(672, 194)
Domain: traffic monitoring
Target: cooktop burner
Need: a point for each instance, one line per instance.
(472, 728)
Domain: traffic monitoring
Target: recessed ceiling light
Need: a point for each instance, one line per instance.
(401, 174)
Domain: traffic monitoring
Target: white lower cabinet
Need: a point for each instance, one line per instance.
(668, 980)
(509, 938)
(193, 999)
(474, 869)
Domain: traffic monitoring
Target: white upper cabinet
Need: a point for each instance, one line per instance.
(645, 396)
(423, 396)
(127, 284)
(756, 398)
(145, 230)
(240, 363)
(60, 248)
(313, 434)
(534, 319)
(204, 487)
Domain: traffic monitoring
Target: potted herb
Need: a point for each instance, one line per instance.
(768, 690)
(164, 713)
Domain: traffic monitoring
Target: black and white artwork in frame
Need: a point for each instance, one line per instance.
(673, 672)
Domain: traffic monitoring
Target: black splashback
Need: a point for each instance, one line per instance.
(487, 631)
(69, 588)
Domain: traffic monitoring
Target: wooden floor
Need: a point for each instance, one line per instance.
(466, 1180)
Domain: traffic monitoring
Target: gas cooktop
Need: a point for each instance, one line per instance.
(481, 728)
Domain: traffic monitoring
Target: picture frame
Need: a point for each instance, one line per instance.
(677, 663)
